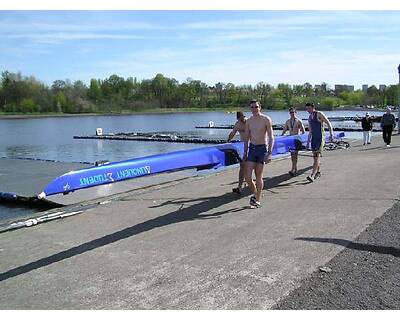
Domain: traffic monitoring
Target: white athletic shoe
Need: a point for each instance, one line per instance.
(254, 203)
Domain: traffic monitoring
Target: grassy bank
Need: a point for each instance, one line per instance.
(5, 115)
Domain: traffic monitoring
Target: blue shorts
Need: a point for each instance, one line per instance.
(297, 147)
(257, 153)
(317, 144)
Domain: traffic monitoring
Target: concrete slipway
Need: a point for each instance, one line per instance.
(192, 244)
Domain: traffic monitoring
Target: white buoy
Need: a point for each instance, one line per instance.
(211, 124)
(99, 132)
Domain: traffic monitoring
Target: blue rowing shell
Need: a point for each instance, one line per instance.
(200, 158)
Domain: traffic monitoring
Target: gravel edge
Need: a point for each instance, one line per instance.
(365, 275)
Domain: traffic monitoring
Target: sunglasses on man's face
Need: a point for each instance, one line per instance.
(291, 112)
(254, 107)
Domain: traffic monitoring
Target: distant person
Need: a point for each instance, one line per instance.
(295, 126)
(259, 151)
(366, 124)
(316, 136)
(388, 123)
(240, 126)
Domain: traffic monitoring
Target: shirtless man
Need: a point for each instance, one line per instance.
(316, 136)
(256, 154)
(295, 126)
(240, 126)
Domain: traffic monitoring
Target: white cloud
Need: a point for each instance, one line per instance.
(21, 26)
(296, 19)
(54, 38)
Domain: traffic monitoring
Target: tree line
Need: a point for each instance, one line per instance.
(21, 94)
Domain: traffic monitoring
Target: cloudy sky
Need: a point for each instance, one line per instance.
(242, 47)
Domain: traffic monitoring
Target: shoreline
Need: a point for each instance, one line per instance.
(67, 115)
(155, 111)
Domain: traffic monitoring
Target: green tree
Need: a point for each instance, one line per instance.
(94, 90)
(372, 97)
(352, 98)
(162, 88)
(61, 102)
(263, 92)
(286, 93)
(331, 102)
(231, 94)
(308, 89)
(219, 89)
(393, 95)
(27, 106)
(278, 100)
(116, 94)
(58, 85)
(201, 90)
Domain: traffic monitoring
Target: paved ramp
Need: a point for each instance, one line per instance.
(195, 245)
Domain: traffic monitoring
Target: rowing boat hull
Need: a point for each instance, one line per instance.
(200, 158)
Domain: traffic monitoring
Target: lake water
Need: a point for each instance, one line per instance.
(52, 138)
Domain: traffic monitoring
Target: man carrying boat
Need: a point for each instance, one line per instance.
(259, 141)
(295, 126)
(316, 136)
(240, 126)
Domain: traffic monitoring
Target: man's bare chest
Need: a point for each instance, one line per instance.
(258, 126)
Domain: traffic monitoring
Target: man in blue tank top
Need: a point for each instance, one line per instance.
(316, 136)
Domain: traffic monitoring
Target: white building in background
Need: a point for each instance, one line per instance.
(365, 88)
(343, 87)
(382, 87)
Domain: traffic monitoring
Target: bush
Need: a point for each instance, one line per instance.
(331, 102)
(27, 106)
